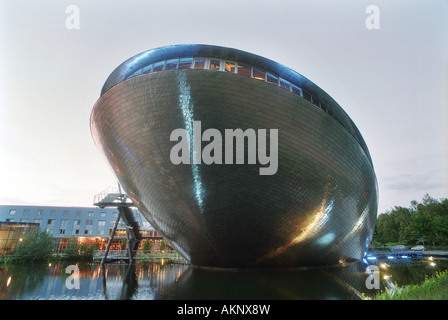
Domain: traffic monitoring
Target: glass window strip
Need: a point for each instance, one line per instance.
(171, 64)
(229, 66)
(270, 78)
(185, 63)
(199, 63)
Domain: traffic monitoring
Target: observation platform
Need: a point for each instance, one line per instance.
(115, 198)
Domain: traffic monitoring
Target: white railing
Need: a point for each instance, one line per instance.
(138, 254)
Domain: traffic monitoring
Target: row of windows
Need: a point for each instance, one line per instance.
(76, 226)
(226, 66)
(26, 212)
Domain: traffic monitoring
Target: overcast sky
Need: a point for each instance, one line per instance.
(392, 81)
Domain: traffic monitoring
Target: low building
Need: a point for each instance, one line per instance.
(87, 224)
(11, 233)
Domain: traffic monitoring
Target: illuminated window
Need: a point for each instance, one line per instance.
(244, 70)
(199, 63)
(258, 74)
(271, 78)
(171, 64)
(214, 64)
(158, 66)
(185, 63)
(285, 84)
(229, 67)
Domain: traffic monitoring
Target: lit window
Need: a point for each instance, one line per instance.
(285, 84)
(199, 63)
(230, 67)
(296, 90)
(214, 64)
(244, 70)
(171, 64)
(271, 78)
(258, 74)
(185, 63)
(158, 66)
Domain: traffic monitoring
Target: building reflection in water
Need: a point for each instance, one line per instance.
(159, 281)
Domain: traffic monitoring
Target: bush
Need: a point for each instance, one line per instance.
(79, 251)
(36, 246)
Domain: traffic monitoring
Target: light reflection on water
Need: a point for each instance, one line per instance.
(157, 281)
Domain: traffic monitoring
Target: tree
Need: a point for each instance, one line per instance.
(162, 245)
(147, 245)
(36, 246)
(427, 220)
(72, 249)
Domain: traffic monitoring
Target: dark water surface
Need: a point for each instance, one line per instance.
(165, 281)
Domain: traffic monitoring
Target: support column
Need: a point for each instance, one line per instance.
(111, 237)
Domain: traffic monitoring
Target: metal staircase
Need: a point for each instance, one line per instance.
(115, 198)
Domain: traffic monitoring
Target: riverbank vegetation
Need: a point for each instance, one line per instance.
(433, 288)
(422, 223)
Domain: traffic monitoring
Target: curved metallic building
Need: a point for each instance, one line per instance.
(318, 208)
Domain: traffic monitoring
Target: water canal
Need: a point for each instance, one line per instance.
(165, 281)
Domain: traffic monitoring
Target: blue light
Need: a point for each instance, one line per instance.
(390, 257)
(371, 258)
(404, 257)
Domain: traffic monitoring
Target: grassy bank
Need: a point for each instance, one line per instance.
(433, 288)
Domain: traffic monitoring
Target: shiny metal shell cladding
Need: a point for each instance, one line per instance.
(318, 209)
